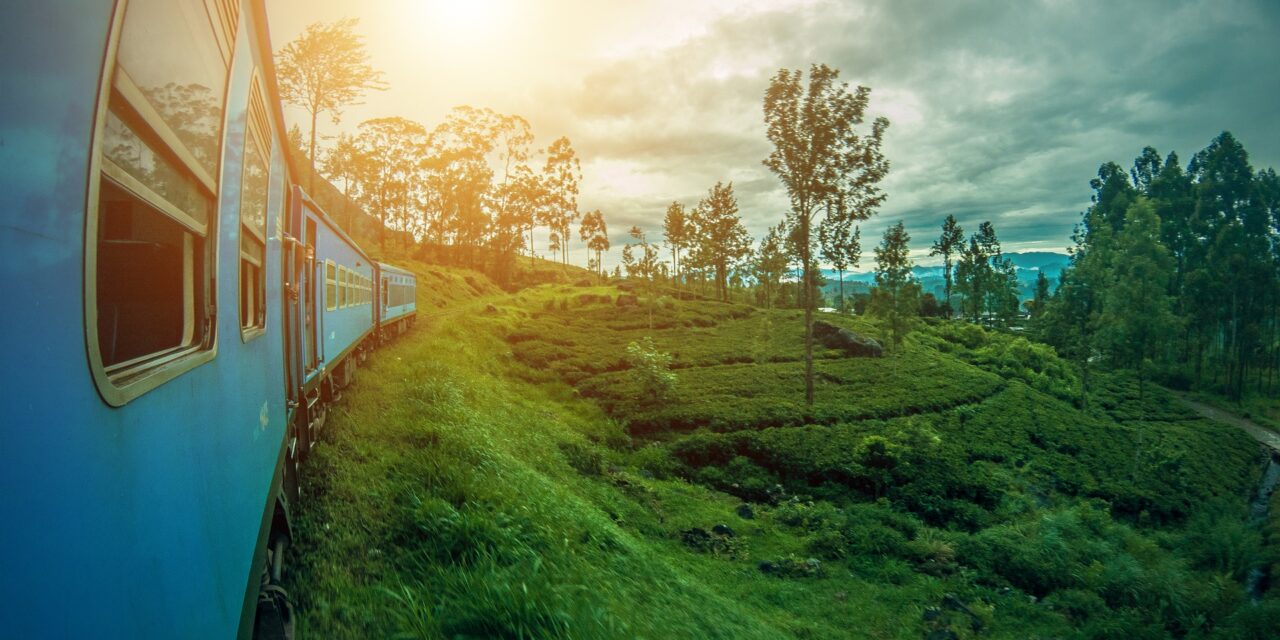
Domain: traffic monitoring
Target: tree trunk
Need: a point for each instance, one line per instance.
(311, 155)
(946, 281)
(805, 285)
(675, 267)
(840, 272)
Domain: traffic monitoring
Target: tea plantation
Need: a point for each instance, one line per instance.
(509, 475)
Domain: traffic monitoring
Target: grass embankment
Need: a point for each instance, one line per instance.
(496, 474)
(450, 498)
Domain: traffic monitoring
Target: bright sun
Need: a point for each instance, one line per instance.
(462, 17)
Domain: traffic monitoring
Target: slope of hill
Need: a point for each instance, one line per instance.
(500, 473)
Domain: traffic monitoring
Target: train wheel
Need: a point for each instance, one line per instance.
(274, 618)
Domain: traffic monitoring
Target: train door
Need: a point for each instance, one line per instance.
(309, 311)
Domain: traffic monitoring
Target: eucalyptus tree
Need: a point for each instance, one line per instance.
(840, 248)
(561, 175)
(822, 160)
(676, 228)
(896, 296)
(950, 243)
(392, 177)
(595, 233)
(1137, 317)
(770, 264)
(325, 69)
(719, 242)
(345, 163)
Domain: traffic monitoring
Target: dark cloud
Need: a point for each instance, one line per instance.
(999, 113)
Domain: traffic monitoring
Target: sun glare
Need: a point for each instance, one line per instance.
(462, 18)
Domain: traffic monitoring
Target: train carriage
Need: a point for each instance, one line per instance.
(397, 300)
(177, 315)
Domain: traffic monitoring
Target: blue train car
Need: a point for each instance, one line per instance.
(143, 192)
(344, 277)
(397, 300)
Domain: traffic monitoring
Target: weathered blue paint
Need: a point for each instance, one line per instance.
(139, 521)
(395, 275)
(342, 327)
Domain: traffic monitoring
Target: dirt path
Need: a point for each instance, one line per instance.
(1260, 433)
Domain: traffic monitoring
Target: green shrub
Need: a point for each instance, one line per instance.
(651, 370)
(585, 458)
(874, 539)
(657, 460)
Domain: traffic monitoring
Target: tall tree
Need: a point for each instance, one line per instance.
(770, 264)
(719, 241)
(1041, 296)
(325, 69)
(392, 177)
(896, 296)
(950, 243)
(521, 199)
(840, 248)
(1137, 316)
(344, 163)
(595, 233)
(975, 275)
(822, 159)
(676, 229)
(561, 175)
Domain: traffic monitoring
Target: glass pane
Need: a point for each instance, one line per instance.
(128, 151)
(253, 199)
(168, 49)
(141, 278)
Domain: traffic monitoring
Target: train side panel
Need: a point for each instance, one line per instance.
(138, 517)
(397, 297)
(344, 277)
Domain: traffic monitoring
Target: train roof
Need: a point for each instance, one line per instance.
(394, 269)
(329, 222)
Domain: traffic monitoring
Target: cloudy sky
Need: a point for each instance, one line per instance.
(999, 111)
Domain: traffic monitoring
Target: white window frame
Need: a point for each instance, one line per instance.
(122, 382)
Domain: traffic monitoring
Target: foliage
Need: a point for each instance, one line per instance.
(828, 168)
(561, 175)
(948, 244)
(465, 492)
(841, 249)
(896, 298)
(595, 233)
(1178, 269)
(770, 266)
(325, 69)
(650, 370)
(719, 242)
(679, 233)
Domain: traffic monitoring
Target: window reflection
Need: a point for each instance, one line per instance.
(253, 205)
(185, 88)
(123, 147)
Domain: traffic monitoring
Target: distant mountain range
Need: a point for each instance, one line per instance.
(1029, 264)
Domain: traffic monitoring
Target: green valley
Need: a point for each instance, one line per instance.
(504, 471)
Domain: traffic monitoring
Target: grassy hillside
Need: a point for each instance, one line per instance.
(500, 473)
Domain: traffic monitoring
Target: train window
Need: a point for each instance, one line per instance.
(330, 286)
(344, 289)
(253, 218)
(150, 265)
